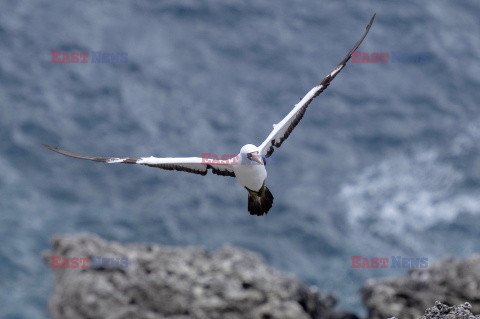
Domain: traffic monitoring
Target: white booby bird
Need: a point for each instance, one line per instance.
(249, 165)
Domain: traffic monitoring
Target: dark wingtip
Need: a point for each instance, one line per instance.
(49, 147)
(371, 21)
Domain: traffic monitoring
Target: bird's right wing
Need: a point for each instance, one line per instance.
(282, 130)
(196, 165)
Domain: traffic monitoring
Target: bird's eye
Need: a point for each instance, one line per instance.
(249, 156)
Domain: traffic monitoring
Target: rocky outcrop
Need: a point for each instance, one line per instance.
(442, 311)
(118, 281)
(174, 282)
(451, 281)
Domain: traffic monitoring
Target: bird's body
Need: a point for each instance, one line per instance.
(248, 167)
(249, 174)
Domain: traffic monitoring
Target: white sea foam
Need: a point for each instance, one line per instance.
(407, 192)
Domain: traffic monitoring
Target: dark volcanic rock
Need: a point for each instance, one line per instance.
(175, 282)
(451, 281)
(442, 311)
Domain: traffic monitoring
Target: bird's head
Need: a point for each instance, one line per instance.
(250, 152)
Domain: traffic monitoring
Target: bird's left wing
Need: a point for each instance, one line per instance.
(282, 130)
(196, 165)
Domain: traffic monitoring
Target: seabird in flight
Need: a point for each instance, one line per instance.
(248, 167)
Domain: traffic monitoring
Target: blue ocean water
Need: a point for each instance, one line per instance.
(385, 162)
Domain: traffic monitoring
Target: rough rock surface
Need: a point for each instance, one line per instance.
(176, 282)
(451, 281)
(442, 311)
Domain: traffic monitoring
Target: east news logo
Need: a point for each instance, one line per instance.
(96, 262)
(94, 56)
(394, 57)
(382, 262)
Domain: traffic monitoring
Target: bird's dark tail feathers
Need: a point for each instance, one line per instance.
(260, 202)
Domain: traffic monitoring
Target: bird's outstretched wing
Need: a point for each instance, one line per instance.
(282, 130)
(196, 165)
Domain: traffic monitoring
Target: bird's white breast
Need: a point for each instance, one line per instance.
(250, 175)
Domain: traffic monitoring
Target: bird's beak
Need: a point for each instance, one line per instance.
(258, 159)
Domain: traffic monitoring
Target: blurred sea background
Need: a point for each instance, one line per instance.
(386, 162)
